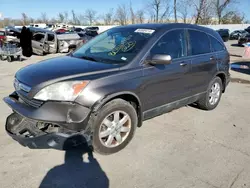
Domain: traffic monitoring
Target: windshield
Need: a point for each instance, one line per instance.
(118, 45)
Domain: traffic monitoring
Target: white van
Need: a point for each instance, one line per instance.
(38, 25)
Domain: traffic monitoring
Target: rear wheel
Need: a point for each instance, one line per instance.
(9, 58)
(211, 99)
(1, 58)
(19, 58)
(113, 127)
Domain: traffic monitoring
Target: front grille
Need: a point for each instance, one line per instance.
(33, 102)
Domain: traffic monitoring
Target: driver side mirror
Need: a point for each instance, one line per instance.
(160, 59)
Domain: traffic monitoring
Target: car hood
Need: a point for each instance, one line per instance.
(60, 68)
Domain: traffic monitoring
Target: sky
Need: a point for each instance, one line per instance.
(34, 8)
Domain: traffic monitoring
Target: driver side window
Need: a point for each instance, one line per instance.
(172, 43)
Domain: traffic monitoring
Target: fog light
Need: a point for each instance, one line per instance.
(13, 121)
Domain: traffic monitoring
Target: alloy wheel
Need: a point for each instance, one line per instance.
(214, 94)
(114, 129)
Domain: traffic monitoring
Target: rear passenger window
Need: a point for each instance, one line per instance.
(173, 44)
(216, 45)
(199, 42)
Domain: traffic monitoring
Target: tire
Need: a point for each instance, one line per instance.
(205, 101)
(1, 58)
(9, 58)
(96, 123)
(19, 58)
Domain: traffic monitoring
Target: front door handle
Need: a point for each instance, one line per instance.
(183, 64)
(212, 58)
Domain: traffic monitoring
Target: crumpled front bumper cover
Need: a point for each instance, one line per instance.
(16, 126)
(68, 114)
(68, 122)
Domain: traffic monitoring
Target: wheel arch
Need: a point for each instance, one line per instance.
(222, 76)
(128, 96)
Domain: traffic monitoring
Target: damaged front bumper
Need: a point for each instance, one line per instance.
(55, 125)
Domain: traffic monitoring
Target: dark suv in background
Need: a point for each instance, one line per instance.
(101, 92)
(224, 33)
(245, 38)
(235, 35)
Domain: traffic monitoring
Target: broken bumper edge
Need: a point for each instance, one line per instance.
(15, 124)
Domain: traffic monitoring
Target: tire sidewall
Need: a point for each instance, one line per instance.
(215, 80)
(116, 105)
(9, 58)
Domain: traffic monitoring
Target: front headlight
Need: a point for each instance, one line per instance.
(62, 91)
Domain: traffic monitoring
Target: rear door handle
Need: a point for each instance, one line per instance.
(183, 64)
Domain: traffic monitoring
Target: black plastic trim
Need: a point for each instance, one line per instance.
(70, 115)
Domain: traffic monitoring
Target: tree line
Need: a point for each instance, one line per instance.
(154, 11)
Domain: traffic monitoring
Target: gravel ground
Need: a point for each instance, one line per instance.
(185, 148)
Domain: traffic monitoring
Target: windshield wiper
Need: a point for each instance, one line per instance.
(88, 58)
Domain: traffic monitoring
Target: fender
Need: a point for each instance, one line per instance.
(225, 80)
(107, 98)
(220, 72)
(99, 104)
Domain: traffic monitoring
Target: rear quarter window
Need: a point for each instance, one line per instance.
(216, 45)
(199, 42)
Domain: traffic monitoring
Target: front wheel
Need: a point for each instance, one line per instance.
(113, 127)
(212, 97)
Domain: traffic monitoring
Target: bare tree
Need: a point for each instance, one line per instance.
(175, 11)
(25, 19)
(66, 17)
(90, 15)
(75, 18)
(232, 17)
(82, 19)
(53, 20)
(32, 20)
(151, 15)
(122, 14)
(140, 16)
(203, 11)
(61, 17)
(44, 17)
(155, 4)
(132, 14)
(183, 11)
(161, 10)
(108, 17)
(198, 8)
(5, 22)
(221, 6)
(17, 22)
(207, 13)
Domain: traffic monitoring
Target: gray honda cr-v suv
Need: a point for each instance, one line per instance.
(101, 92)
